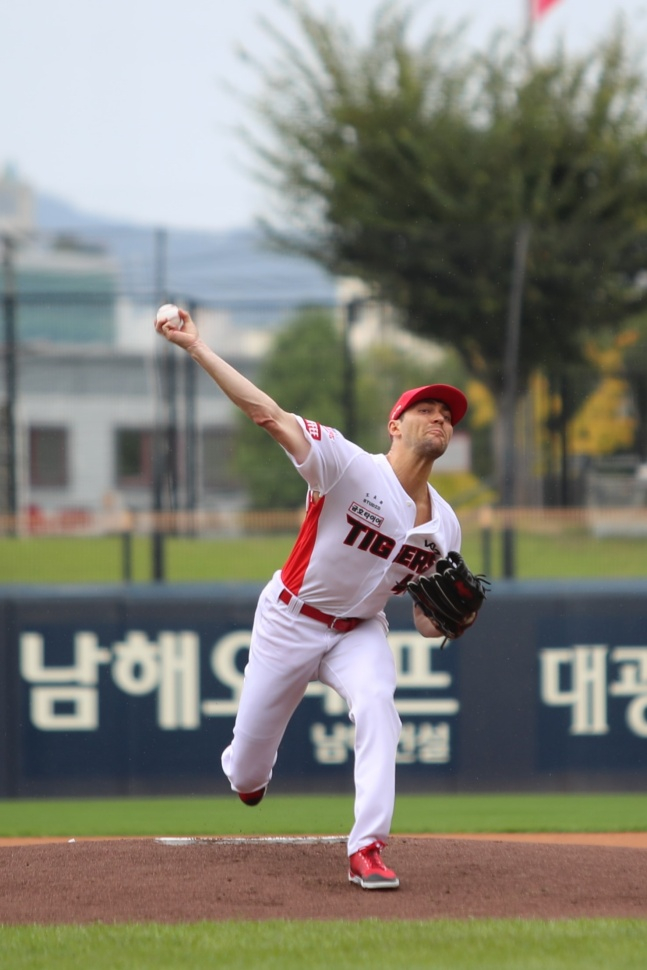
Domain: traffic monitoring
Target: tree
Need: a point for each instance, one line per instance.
(633, 344)
(303, 372)
(413, 167)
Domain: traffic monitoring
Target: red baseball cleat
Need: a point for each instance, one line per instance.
(367, 870)
(253, 797)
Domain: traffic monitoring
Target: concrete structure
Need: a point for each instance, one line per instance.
(86, 421)
(65, 289)
(66, 293)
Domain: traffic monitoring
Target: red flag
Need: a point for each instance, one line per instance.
(539, 7)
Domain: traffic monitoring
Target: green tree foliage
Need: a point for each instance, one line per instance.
(413, 164)
(303, 373)
(634, 368)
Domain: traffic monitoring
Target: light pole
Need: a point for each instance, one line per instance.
(352, 314)
(9, 305)
(510, 387)
(160, 430)
(190, 428)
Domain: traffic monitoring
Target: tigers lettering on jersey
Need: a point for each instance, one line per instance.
(370, 540)
(363, 537)
(420, 560)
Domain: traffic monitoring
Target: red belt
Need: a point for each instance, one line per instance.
(338, 623)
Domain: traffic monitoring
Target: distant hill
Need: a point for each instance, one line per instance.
(55, 215)
(230, 269)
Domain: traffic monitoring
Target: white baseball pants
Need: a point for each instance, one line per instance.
(289, 651)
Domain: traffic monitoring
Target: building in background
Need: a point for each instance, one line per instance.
(88, 420)
(65, 288)
(66, 293)
(99, 397)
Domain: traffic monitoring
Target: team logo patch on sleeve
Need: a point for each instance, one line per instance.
(313, 429)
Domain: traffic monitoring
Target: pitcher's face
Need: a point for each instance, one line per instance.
(426, 428)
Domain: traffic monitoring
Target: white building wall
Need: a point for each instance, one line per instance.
(91, 425)
(92, 399)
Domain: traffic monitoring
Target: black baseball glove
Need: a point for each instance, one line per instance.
(451, 597)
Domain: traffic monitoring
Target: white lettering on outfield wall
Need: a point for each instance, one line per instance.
(66, 697)
(420, 743)
(138, 666)
(581, 677)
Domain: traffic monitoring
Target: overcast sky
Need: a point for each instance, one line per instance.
(119, 108)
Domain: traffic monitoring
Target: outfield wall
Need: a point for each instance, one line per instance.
(133, 690)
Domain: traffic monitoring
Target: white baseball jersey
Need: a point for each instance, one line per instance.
(358, 544)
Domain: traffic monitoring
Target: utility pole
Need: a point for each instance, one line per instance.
(529, 23)
(9, 306)
(190, 428)
(510, 388)
(513, 338)
(353, 310)
(171, 430)
(160, 433)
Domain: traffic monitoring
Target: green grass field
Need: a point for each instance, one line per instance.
(321, 815)
(291, 945)
(570, 554)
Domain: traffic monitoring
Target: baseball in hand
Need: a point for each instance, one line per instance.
(169, 313)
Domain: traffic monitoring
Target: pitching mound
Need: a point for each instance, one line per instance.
(142, 880)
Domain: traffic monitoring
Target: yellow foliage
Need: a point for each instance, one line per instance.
(602, 425)
(609, 359)
(543, 402)
(628, 338)
(482, 404)
(463, 490)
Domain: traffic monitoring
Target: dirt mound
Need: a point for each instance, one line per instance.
(143, 880)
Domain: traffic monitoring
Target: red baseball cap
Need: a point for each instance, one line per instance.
(451, 396)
